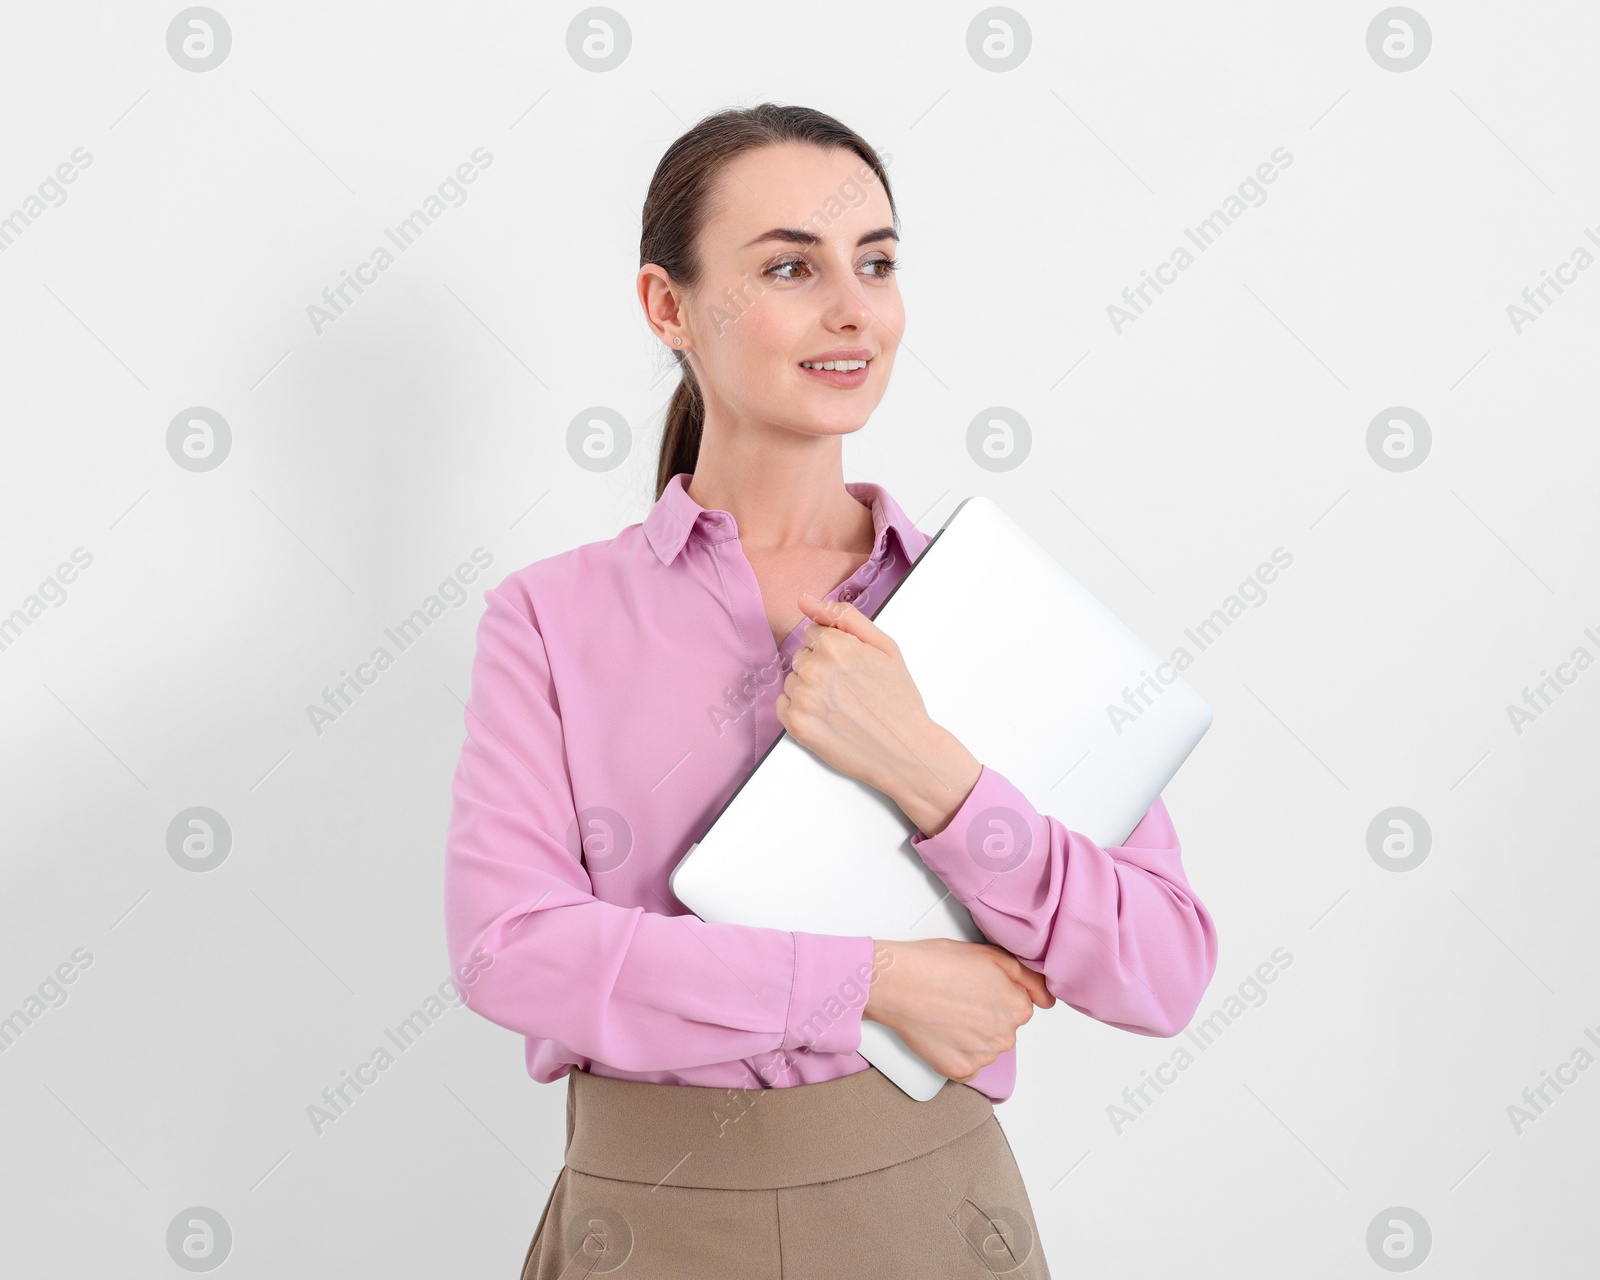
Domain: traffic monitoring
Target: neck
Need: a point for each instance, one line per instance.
(784, 503)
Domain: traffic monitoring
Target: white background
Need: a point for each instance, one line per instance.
(431, 418)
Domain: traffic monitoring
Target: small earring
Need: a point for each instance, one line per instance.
(677, 342)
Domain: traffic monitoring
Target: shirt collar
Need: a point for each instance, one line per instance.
(676, 516)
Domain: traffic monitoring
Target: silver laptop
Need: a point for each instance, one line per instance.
(1035, 676)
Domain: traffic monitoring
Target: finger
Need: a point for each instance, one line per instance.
(844, 616)
(1032, 981)
(811, 635)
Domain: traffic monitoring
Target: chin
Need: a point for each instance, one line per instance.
(836, 426)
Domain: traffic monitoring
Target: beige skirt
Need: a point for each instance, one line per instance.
(844, 1179)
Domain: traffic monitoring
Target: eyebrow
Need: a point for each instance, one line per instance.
(794, 236)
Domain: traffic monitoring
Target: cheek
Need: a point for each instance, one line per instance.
(755, 344)
(731, 342)
(891, 316)
(771, 330)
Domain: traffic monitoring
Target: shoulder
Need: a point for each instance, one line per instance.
(549, 590)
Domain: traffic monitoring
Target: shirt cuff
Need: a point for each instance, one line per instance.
(832, 973)
(995, 830)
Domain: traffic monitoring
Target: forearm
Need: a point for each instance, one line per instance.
(931, 778)
(1117, 932)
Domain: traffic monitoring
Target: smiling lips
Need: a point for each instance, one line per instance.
(839, 377)
(833, 354)
(841, 368)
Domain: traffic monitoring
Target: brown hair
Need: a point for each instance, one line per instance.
(675, 210)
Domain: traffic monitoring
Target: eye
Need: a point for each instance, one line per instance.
(776, 267)
(779, 270)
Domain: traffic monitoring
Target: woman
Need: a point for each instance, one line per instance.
(719, 1120)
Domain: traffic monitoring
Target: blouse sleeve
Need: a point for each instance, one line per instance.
(635, 989)
(1116, 932)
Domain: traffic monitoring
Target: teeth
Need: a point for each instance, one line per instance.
(844, 366)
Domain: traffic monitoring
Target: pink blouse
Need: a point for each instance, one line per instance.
(621, 691)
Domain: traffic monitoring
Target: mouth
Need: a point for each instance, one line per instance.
(839, 377)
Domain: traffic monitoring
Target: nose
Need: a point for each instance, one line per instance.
(847, 306)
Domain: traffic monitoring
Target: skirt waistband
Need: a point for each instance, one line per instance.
(752, 1139)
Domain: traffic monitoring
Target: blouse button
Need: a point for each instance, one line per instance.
(848, 594)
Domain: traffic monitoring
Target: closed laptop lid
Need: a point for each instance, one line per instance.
(1029, 670)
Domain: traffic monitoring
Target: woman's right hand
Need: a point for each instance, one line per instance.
(957, 1005)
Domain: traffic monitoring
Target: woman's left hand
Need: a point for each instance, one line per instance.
(850, 699)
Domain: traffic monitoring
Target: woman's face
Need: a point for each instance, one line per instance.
(793, 269)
